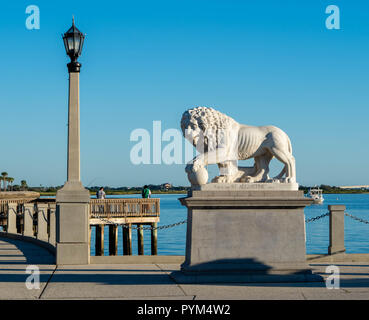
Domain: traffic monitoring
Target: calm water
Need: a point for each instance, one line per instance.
(172, 241)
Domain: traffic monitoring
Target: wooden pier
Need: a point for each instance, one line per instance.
(128, 214)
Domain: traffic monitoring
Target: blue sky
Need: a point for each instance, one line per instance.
(261, 62)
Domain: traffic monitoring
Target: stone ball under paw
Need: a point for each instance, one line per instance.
(198, 177)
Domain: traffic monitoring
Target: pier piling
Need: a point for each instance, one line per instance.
(154, 239)
(140, 239)
(127, 240)
(99, 243)
(113, 240)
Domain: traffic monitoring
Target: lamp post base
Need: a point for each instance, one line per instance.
(72, 224)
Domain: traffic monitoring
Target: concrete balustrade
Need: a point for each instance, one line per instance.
(20, 223)
(42, 222)
(29, 210)
(12, 218)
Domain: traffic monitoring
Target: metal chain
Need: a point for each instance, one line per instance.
(156, 228)
(143, 228)
(317, 218)
(347, 214)
(356, 218)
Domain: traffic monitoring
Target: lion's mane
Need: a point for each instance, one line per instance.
(215, 126)
(206, 118)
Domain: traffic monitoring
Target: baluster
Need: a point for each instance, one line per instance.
(12, 218)
(107, 212)
(29, 210)
(42, 222)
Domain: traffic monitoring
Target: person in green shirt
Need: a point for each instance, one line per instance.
(146, 192)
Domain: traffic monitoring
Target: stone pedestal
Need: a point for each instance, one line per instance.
(72, 224)
(245, 233)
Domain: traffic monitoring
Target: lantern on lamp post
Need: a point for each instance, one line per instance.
(73, 43)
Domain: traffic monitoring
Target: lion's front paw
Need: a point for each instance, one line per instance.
(246, 179)
(288, 180)
(249, 179)
(221, 179)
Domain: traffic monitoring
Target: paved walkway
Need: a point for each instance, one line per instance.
(152, 281)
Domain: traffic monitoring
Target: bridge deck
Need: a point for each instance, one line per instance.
(151, 281)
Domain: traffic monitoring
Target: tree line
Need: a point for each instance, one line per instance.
(333, 189)
(6, 183)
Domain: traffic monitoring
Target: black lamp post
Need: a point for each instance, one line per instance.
(73, 42)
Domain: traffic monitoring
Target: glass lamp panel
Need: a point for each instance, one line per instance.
(76, 43)
(66, 44)
(70, 44)
(81, 45)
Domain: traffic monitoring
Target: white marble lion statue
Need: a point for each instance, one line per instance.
(221, 140)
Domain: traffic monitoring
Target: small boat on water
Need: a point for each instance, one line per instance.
(316, 194)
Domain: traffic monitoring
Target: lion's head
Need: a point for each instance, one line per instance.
(207, 124)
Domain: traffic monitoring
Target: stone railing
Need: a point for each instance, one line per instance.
(32, 221)
(36, 222)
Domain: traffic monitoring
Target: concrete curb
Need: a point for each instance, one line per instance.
(35, 241)
(136, 259)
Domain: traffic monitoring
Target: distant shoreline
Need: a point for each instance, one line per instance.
(117, 193)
